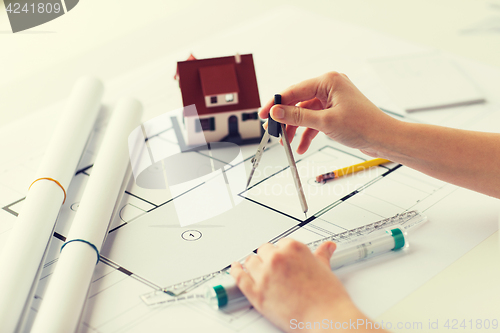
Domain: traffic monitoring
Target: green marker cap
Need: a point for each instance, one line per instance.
(221, 295)
(399, 238)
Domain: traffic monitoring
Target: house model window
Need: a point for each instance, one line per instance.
(249, 116)
(206, 124)
(219, 85)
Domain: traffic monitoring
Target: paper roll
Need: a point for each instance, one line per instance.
(66, 294)
(22, 257)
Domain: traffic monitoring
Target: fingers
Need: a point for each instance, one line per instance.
(291, 244)
(319, 88)
(253, 265)
(324, 252)
(290, 132)
(243, 280)
(297, 116)
(309, 89)
(266, 250)
(312, 104)
(300, 92)
(284, 242)
(305, 141)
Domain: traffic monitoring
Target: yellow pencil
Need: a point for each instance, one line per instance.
(350, 169)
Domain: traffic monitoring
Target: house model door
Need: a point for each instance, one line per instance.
(233, 126)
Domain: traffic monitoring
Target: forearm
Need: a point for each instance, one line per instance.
(465, 158)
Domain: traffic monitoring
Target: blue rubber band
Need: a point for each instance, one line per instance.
(83, 241)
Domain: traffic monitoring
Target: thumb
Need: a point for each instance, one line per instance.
(325, 251)
(297, 116)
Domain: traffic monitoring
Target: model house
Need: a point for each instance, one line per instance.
(225, 93)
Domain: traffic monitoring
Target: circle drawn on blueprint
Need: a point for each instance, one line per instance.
(191, 235)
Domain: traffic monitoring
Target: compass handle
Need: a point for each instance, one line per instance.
(274, 127)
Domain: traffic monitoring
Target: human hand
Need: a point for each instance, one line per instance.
(332, 104)
(288, 281)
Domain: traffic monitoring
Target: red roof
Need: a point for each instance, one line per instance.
(176, 76)
(217, 80)
(196, 78)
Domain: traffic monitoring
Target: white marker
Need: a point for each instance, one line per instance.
(228, 296)
(392, 240)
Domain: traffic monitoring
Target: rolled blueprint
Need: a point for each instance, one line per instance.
(21, 260)
(66, 293)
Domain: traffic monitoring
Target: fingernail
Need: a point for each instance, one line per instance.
(278, 113)
(331, 248)
(264, 124)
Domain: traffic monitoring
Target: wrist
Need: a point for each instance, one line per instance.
(347, 319)
(389, 139)
(338, 311)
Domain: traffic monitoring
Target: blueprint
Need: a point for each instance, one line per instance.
(147, 251)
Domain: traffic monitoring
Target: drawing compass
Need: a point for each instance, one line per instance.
(276, 129)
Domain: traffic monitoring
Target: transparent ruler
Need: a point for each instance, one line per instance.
(407, 221)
